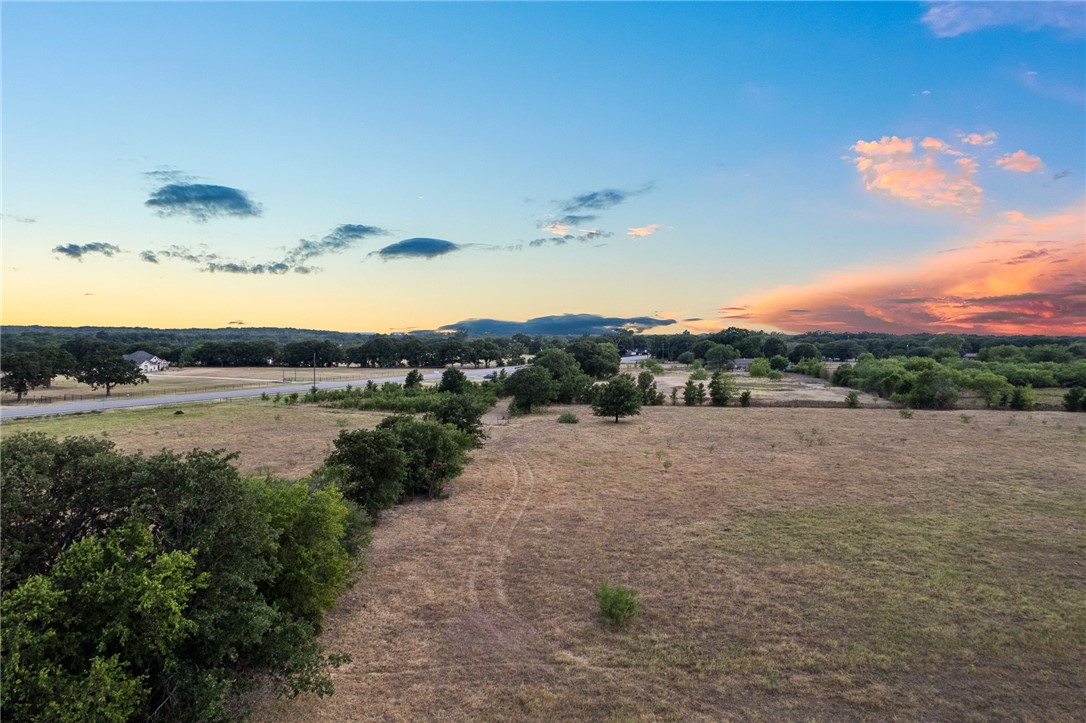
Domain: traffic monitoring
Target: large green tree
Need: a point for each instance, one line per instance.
(530, 387)
(108, 370)
(570, 382)
(619, 397)
(22, 371)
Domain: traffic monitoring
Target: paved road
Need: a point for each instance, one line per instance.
(41, 410)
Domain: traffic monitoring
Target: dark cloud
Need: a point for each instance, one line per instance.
(232, 267)
(426, 248)
(236, 323)
(339, 239)
(551, 241)
(182, 253)
(799, 311)
(18, 219)
(694, 318)
(562, 325)
(1060, 174)
(149, 257)
(77, 251)
(168, 174)
(1027, 256)
(576, 220)
(598, 200)
(202, 202)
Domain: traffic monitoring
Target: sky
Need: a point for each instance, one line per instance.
(890, 167)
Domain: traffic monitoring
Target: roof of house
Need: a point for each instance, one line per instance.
(139, 357)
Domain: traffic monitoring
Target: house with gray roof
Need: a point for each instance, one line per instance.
(147, 362)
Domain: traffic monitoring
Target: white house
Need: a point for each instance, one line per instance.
(147, 362)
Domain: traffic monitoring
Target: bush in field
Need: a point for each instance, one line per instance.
(435, 453)
(568, 418)
(779, 362)
(652, 365)
(721, 389)
(369, 466)
(1075, 400)
(1022, 398)
(843, 375)
(744, 398)
(852, 400)
(690, 393)
(463, 411)
(760, 367)
(646, 384)
(618, 604)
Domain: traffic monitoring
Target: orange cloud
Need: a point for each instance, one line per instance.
(1021, 162)
(1023, 276)
(643, 230)
(980, 139)
(891, 167)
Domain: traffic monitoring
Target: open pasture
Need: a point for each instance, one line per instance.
(792, 564)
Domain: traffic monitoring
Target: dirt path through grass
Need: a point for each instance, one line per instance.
(826, 564)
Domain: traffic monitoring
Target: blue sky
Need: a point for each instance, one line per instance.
(388, 166)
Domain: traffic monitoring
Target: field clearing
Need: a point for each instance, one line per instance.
(799, 564)
(287, 441)
(792, 563)
(200, 379)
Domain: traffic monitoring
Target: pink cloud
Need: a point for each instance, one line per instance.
(980, 139)
(1021, 162)
(893, 168)
(1022, 276)
(643, 231)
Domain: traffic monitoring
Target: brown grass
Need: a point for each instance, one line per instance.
(283, 440)
(793, 564)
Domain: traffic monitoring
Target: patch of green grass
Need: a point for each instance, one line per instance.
(568, 418)
(618, 604)
(925, 588)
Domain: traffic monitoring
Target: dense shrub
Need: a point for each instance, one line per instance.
(435, 453)
(568, 418)
(159, 584)
(1075, 399)
(618, 604)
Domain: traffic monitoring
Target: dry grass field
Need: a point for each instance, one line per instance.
(200, 379)
(795, 564)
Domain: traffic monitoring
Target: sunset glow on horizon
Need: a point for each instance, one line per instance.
(885, 167)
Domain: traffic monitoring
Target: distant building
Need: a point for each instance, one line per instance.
(147, 362)
(742, 365)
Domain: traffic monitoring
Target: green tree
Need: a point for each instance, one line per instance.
(370, 467)
(1075, 399)
(690, 393)
(720, 356)
(571, 383)
(700, 394)
(413, 381)
(598, 359)
(90, 639)
(619, 397)
(721, 389)
(774, 345)
(530, 387)
(804, 351)
(454, 381)
(435, 453)
(646, 385)
(463, 411)
(1022, 398)
(778, 362)
(22, 371)
(760, 367)
(314, 564)
(108, 370)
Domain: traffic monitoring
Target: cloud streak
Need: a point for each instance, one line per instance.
(202, 202)
(1023, 276)
(931, 176)
(950, 19)
(77, 251)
